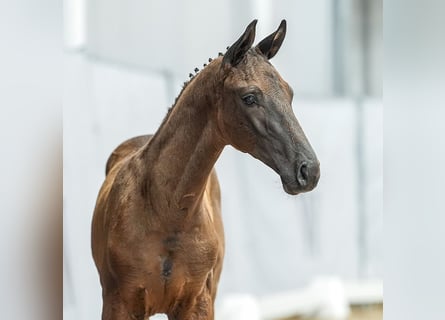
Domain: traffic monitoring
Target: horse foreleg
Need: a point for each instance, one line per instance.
(201, 308)
(115, 308)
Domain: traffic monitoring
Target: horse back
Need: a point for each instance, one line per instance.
(125, 149)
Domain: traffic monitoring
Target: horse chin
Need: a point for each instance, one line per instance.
(291, 186)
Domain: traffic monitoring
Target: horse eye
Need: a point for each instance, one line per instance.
(249, 99)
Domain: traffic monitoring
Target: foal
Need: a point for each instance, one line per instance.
(157, 234)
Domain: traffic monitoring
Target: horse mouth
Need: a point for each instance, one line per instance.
(291, 186)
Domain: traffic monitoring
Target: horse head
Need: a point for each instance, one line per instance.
(255, 111)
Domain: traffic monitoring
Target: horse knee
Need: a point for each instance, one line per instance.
(115, 308)
(201, 309)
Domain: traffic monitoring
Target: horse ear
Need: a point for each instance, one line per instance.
(270, 45)
(236, 52)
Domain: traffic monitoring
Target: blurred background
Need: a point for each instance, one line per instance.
(317, 254)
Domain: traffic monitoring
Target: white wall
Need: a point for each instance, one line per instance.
(177, 36)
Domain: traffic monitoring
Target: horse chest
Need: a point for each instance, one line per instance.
(191, 253)
(179, 268)
(188, 257)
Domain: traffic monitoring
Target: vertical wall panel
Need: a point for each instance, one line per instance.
(305, 60)
(373, 158)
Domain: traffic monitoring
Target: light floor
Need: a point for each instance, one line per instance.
(371, 312)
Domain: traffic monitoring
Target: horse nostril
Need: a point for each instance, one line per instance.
(302, 174)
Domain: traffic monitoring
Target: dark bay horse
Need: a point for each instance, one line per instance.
(157, 233)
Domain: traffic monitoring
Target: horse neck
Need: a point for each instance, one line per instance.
(182, 153)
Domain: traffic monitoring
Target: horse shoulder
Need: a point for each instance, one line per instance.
(117, 197)
(213, 189)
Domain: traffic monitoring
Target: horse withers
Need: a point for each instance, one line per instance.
(157, 233)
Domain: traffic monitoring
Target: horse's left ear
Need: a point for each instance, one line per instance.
(270, 45)
(236, 52)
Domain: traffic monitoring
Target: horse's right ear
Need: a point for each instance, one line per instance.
(236, 52)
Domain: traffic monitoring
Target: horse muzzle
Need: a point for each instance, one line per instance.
(305, 178)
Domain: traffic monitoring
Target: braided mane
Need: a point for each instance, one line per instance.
(184, 86)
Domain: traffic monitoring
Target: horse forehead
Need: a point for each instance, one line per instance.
(264, 75)
(270, 82)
